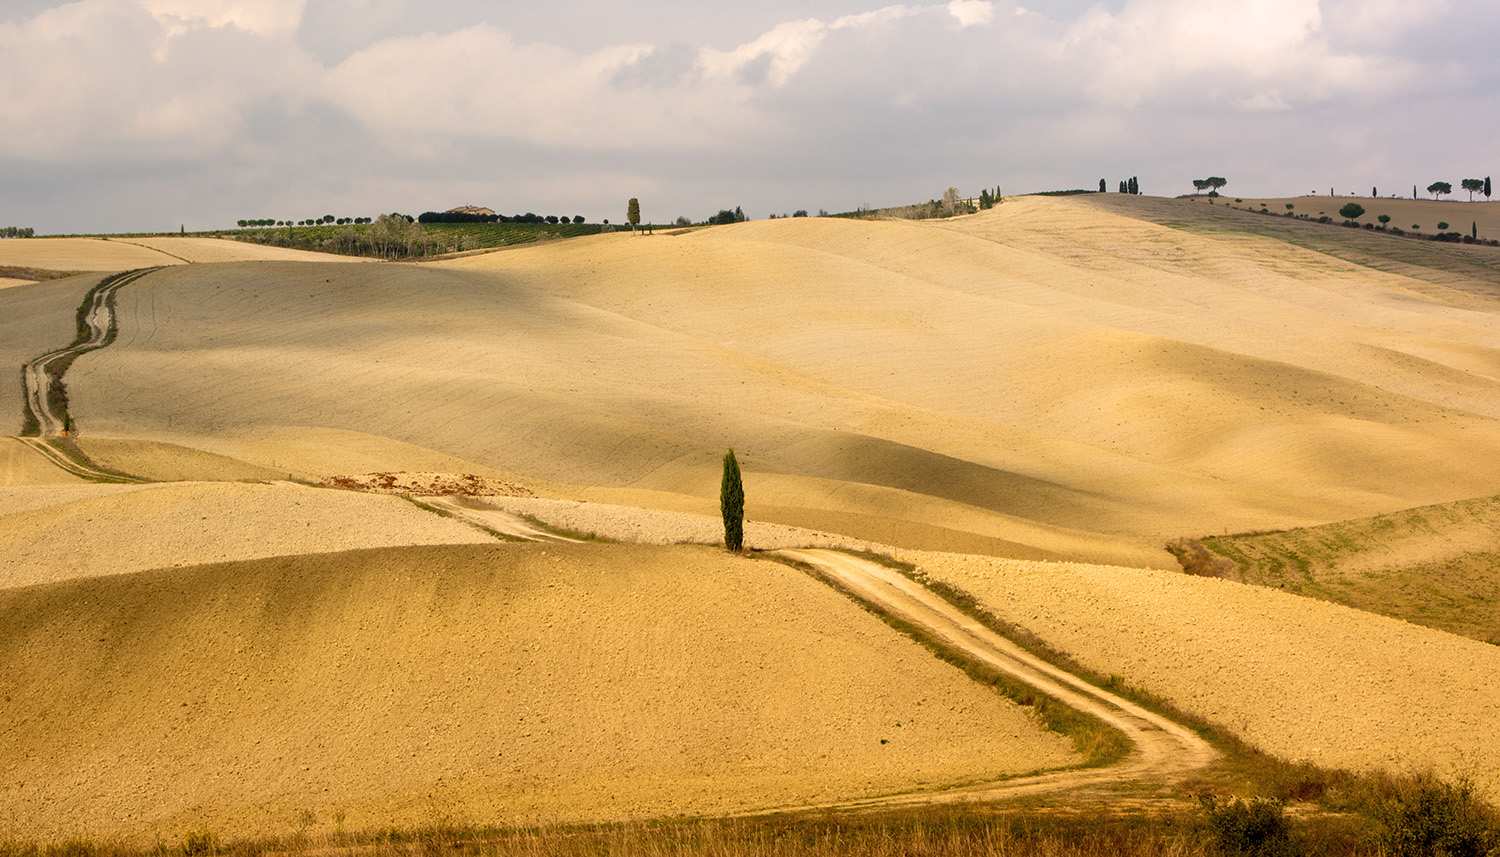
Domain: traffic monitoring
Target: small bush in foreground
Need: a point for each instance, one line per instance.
(1431, 818)
(1257, 827)
(200, 842)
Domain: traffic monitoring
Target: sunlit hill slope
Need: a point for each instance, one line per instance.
(1050, 378)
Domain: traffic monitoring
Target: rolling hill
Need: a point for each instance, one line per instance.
(469, 684)
(1050, 379)
(1077, 379)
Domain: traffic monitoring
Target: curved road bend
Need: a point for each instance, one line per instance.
(1163, 748)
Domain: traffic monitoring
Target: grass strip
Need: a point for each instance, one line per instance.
(31, 426)
(1092, 830)
(36, 275)
(95, 472)
(428, 507)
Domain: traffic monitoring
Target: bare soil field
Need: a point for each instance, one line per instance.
(486, 683)
(121, 254)
(191, 249)
(170, 462)
(109, 532)
(1455, 274)
(1078, 379)
(1050, 379)
(80, 254)
(1300, 678)
(21, 465)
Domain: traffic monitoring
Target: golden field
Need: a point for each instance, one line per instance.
(1028, 403)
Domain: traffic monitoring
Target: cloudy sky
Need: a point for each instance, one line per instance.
(149, 114)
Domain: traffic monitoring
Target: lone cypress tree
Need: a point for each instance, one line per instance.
(1486, 187)
(633, 213)
(732, 504)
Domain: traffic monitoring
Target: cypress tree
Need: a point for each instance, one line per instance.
(732, 504)
(1486, 187)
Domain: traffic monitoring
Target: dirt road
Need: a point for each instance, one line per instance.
(495, 520)
(1163, 748)
(43, 375)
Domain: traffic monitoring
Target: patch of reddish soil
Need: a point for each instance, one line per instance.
(428, 484)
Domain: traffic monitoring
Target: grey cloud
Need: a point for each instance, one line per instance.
(668, 66)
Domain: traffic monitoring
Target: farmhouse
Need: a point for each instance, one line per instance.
(470, 209)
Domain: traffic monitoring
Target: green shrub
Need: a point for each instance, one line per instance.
(1257, 827)
(1431, 818)
(199, 843)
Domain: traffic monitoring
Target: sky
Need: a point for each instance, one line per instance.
(152, 115)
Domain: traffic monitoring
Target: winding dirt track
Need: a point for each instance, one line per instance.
(40, 375)
(1163, 749)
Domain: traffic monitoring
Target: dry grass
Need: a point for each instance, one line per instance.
(33, 275)
(1437, 566)
(1392, 817)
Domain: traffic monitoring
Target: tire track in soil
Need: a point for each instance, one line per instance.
(41, 375)
(495, 521)
(1163, 749)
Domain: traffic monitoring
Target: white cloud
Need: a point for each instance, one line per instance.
(273, 18)
(787, 46)
(1262, 55)
(107, 79)
(478, 83)
(970, 13)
